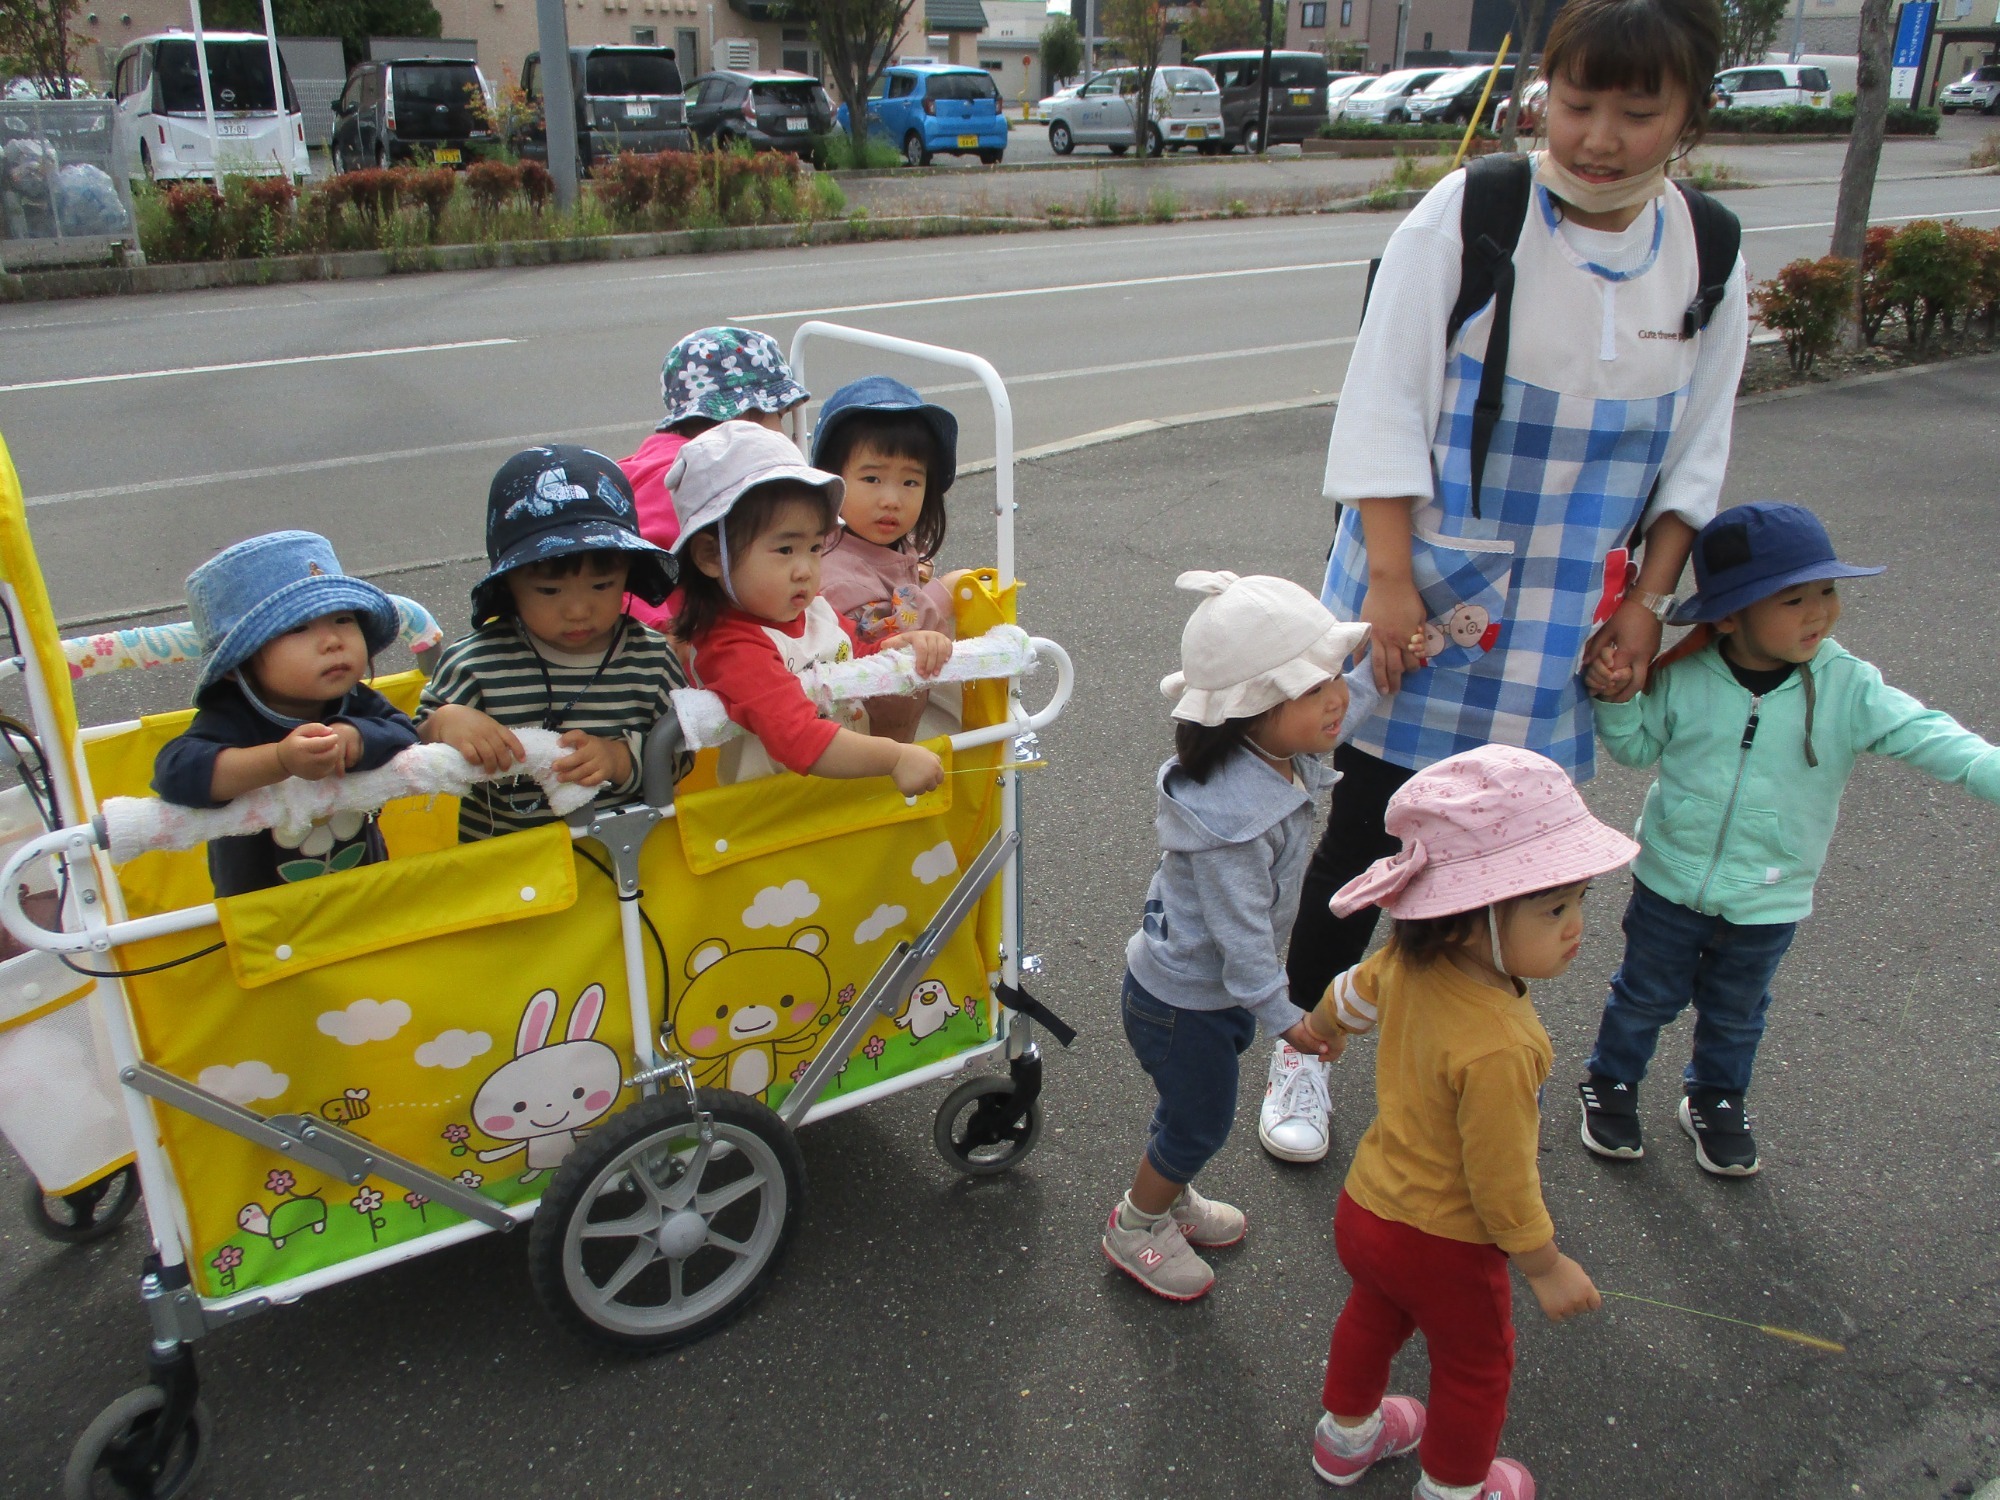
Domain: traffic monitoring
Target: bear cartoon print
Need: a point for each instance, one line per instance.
(743, 1008)
(542, 1100)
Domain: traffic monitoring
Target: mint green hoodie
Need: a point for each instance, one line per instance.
(1738, 824)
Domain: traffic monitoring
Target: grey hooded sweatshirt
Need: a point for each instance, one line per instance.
(1233, 852)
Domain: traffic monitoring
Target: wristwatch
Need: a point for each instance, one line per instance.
(1659, 606)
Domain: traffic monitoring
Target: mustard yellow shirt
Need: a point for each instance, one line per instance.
(1453, 1149)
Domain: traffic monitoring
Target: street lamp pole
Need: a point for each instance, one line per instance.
(1264, 86)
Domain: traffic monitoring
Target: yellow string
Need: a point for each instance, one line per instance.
(1791, 1335)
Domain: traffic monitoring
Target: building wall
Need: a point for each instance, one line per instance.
(1435, 26)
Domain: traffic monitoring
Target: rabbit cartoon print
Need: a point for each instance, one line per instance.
(543, 1099)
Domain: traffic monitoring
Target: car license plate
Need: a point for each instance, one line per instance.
(968, 143)
(232, 127)
(448, 156)
(638, 111)
(1301, 99)
(796, 123)
(1197, 133)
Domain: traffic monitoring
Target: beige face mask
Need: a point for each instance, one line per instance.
(1598, 197)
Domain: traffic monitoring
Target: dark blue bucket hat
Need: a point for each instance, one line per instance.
(878, 393)
(248, 595)
(547, 503)
(1750, 552)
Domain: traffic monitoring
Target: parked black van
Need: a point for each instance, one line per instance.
(627, 99)
(1298, 95)
(391, 112)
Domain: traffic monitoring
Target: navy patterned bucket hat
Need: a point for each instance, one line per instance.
(248, 595)
(550, 502)
(724, 373)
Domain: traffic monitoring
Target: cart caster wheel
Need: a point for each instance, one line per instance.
(87, 1214)
(111, 1458)
(973, 1130)
(649, 1238)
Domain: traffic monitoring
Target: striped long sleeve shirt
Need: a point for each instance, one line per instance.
(501, 672)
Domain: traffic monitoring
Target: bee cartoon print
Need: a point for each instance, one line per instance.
(743, 1009)
(543, 1100)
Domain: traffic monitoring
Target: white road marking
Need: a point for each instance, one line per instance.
(1049, 291)
(1938, 213)
(250, 364)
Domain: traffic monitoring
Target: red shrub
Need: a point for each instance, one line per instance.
(429, 189)
(624, 185)
(536, 183)
(491, 184)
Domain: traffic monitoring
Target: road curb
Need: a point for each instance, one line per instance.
(1872, 377)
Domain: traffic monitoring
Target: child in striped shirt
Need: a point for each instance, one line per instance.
(551, 645)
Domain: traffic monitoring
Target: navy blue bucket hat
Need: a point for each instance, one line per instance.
(551, 502)
(1750, 552)
(248, 595)
(878, 393)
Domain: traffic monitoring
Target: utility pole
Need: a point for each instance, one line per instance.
(1264, 86)
(558, 99)
(1799, 31)
(1089, 38)
(1402, 29)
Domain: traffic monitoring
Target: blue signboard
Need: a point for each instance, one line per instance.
(1913, 35)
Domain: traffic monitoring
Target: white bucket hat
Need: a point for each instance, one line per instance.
(1252, 644)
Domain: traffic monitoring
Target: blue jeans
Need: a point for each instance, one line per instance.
(1191, 1057)
(1674, 957)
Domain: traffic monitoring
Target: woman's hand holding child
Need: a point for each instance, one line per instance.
(1563, 1287)
(1306, 1040)
(477, 736)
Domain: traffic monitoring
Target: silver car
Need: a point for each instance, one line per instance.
(1186, 111)
(1386, 100)
(1979, 89)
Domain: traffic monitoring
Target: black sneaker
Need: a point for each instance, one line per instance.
(1717, 1123)
(1611, 1118)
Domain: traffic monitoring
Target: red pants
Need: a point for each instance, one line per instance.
(1459, 1296)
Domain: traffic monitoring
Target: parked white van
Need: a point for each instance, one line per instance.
(157, 83)
(1773, 86)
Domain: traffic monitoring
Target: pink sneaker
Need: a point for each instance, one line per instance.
(1506, 1480)
(1402, 1426)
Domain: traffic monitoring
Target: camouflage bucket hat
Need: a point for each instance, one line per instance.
(724, 373)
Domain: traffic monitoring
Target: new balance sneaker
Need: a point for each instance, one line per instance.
(1157, 1256)
(1402, 1427)
(1716, 1121)
(1611, 1118)
(1506, 1480)
(1211, 1225)
(1295, 1123)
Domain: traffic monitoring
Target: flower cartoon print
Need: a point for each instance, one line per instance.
(329, 844)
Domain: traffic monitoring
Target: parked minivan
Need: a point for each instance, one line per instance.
(157, 83)
(627, 99)
(392, 111)
(1298, 95)
(1450, 100)
(1386, 100)
(1773, 86)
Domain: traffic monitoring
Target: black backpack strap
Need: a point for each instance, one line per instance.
(1718, 237)
(1495, 207)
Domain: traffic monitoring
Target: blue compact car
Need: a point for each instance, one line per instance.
(927, 111)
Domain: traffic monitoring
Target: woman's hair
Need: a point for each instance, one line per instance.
(703, 598)
(896, 434)
(1640, 44)
(1422, 941)
(1200, 748)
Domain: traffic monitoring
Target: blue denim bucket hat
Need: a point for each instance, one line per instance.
(1750, 552)
(546, 503)
(725, 373)
(878, 393)
(248, 595)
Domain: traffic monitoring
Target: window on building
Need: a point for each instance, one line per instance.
(1347, 12)
(1427, 41)
(644, 36)
(1312, 13)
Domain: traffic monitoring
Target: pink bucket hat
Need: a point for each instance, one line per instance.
(1479, 827)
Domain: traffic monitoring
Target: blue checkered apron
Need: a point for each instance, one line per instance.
(1516, 593)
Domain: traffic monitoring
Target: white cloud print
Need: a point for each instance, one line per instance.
(781, 905)
(878, 922)
(453, 1049)
(245, 1083)
(934, 864)
(365, 1021)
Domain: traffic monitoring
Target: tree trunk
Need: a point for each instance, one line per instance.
(1864, 148)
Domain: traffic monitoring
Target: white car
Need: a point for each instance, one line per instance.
(35, 88)
(1773, 86)
(157, 83)
(1386, 100)
(1039, 110)
(1186, 111)
(1341, 88)
(1979, 89)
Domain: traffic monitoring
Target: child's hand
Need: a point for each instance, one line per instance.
(350, 739)
(592, 760)
(931, 648)
(480, 738)
(1310, 1043)
(1565, 1290)
(313, 752)
(1604, 676)
(917, 770)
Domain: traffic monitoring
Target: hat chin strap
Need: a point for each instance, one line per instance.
(1493, 931)
(722, 543)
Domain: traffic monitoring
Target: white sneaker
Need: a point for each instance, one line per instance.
(1295, 1123)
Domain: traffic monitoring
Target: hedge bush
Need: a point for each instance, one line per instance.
(1806, 304)
(1364, 130)
(1799, 119)
(1927, 272)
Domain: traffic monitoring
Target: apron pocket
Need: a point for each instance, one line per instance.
(1465, 582)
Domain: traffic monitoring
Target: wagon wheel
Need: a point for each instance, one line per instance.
(649, 1238)
(110, 1459)
(89, 1213)
(974, 1133)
